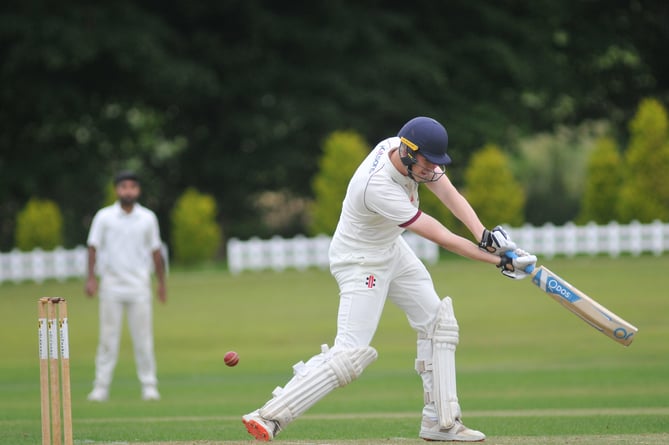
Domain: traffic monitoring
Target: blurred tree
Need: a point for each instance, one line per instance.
(196, 236)
(342, 153)
(491, 189)
(39, 224)
(234, 97)
(84, 91)
(603, 181)
(645, 191)
(552, 168)
(281, 213)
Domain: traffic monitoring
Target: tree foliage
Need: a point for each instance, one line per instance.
(645, 192)
(233, 97)
(39, 224)
(491, 189)
(342, 153)
(552, 168)
(604, 177)
(196, 236)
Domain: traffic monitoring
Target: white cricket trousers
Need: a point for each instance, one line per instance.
(140, 323)
(366, 281)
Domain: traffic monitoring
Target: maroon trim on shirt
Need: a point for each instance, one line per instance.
(408, 223)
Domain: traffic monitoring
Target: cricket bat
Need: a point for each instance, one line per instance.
(582, 305)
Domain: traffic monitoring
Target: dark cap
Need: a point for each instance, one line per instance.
(125, 175)
(427, 137)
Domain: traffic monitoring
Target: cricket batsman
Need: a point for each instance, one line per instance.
(371, 263)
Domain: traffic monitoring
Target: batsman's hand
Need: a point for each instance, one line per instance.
(496, 241)
(517, 264)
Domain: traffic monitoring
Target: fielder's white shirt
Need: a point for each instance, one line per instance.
(380, 201)
(124, 243)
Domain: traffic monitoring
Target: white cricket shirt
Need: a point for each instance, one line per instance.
(124, 243)
(379, 201)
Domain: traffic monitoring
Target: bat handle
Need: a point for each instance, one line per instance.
(511, 254)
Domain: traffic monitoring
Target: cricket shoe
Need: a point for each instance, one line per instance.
(150, 392)
(99, 394)
(260, 428)
(430, 430)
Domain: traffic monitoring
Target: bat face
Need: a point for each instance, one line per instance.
(583, 306)
(554, 285)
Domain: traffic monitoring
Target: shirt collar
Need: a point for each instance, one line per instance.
(395, 174)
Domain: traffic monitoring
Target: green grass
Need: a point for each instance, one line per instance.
(528, 370)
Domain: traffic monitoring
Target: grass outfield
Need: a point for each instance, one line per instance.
(529, 372)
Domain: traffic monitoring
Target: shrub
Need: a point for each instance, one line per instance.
(196, 236)
(645, 192)
(342, 153)
(603, 181)
(552, 167)
(39, 224)
(491, 189)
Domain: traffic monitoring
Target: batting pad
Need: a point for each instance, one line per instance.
(444, 341)
(313, 381)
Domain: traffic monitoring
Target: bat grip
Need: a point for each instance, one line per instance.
(511, 254)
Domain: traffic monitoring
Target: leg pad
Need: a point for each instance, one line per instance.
(314, 380)
(444, 342)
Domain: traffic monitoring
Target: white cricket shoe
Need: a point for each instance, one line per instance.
(99, 394)
(149, 392)
(260, 428)
(431, 431)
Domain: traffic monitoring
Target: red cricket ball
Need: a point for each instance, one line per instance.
(231, 358)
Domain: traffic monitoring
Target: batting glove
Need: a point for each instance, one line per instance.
(496, 241)
(517, 264)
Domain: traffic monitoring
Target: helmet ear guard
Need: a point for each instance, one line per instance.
(407, 150)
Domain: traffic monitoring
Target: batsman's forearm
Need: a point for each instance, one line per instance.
(462, 210)
(428, 227)
(466, 214)
(467, 249)
(458, 205)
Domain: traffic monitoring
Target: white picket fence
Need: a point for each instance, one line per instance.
(60, 264)
(612, 239)
(546, 241)
(39, 265)
(301, 252)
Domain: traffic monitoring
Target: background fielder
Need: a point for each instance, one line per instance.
(371, 262)
(126, 237)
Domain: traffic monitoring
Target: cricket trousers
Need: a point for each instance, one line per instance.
(140, 323)
(367, 281)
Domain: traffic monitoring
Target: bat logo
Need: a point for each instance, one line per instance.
(622, 333)
(554, 286)
(370, 281)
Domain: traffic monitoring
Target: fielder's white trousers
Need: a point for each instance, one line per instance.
(140, 323)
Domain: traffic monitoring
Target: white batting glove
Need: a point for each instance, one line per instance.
(496, 241)
(517, 264)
